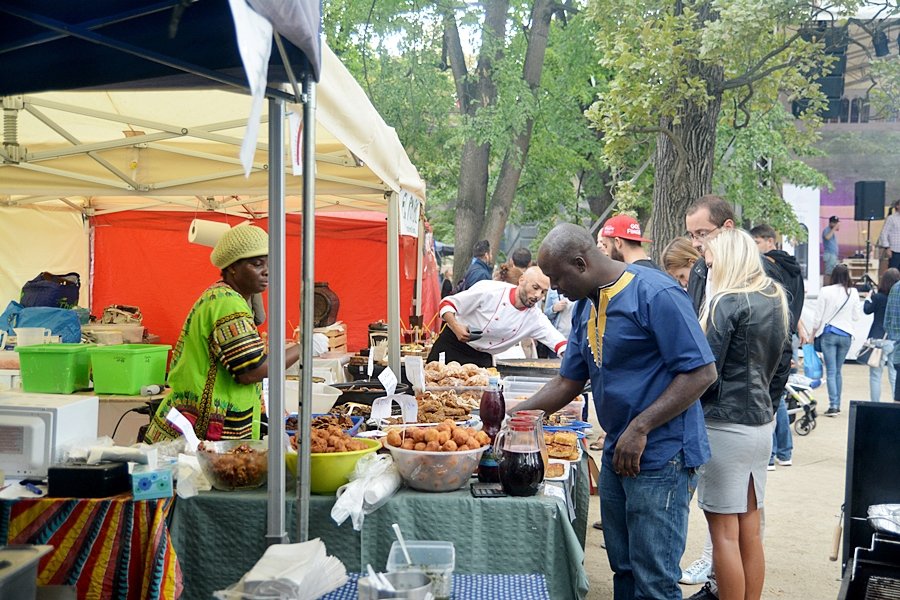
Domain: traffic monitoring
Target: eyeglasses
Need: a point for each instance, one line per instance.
(703, 235)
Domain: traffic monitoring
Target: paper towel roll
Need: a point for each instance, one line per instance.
(206, 233)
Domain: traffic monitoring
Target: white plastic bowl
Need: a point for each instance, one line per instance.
(323, 396)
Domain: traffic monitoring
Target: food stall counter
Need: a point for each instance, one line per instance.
(497, 535)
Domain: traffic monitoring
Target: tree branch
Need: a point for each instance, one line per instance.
(754, 73)
(457, 59)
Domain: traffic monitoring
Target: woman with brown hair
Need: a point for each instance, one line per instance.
(876, 304)
(837, 310)
(677, 259)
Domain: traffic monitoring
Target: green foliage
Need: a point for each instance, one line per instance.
(394, 47)
(668, 55)
(757, 160)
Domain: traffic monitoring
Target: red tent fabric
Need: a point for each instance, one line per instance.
(144, 259)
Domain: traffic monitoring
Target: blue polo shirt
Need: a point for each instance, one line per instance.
(649, 335)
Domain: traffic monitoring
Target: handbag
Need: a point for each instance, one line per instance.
(869, 354)
(817, 341)
(873, 352)
(47, 289)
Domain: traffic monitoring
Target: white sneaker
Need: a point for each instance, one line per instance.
(784, 463)
(697, 573)
(771, 467)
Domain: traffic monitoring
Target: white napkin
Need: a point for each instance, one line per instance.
(305, 568)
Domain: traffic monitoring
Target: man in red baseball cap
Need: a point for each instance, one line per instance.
(621, 239)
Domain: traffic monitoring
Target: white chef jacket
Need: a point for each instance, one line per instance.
(491, 307)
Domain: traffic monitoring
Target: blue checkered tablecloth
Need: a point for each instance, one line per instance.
(473, 587)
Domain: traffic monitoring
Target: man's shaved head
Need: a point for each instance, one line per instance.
(567, 238)
(570, 258)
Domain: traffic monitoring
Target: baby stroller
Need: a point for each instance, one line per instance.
(801, 406)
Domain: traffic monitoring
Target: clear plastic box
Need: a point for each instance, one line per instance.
(435, 559)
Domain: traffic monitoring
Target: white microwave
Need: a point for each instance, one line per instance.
(35, 430)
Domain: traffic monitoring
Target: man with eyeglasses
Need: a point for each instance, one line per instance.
(705, 218)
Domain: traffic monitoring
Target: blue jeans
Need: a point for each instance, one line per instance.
(645, 522)
(834, 351)
(875, 378)
(830, 261)
(782, 441)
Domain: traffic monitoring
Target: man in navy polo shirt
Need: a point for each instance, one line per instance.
(636, 337)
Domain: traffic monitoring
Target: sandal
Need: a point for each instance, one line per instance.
(596, 446)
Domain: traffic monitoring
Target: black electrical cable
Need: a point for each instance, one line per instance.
(132, 410)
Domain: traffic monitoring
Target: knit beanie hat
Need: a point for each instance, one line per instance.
(243, 241)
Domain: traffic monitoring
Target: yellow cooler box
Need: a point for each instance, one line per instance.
(125, 368)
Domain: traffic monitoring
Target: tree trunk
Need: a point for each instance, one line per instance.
(684, 167)
(474, 92)
(596, 184)
(514, 161)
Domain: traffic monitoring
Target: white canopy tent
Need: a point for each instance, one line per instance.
(100, 151)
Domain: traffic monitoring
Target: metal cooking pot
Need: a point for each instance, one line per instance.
(365, 391)
(531, 367)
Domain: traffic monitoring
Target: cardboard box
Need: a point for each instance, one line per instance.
(337, 336)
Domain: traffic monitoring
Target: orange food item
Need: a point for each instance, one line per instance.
(446, 437)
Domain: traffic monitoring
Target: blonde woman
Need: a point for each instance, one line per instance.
(677, 259)
(747, 326)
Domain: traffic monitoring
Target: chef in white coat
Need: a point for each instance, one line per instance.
(493, 316)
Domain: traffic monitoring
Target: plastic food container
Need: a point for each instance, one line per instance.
(55, 368)
(437, 560)
(125, 368)
(131, 334)
(329, 471)
(228, 470)
(435, 471)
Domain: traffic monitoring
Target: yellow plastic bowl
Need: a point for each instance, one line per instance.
(329, 471)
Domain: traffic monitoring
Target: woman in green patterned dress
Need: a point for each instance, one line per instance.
(220, 359)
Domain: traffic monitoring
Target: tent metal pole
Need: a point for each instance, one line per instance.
(276, 533)
(393, 269)
(420, 263)
(307, 302)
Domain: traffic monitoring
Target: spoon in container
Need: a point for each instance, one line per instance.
(402, 543)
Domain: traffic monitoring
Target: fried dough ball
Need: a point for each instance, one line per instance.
(417, 434)
(449, 446)
(419, 446)
(408, 444)
(460, 437)
(393, 438)
(444, 436)
(432, 446)
(431, 435)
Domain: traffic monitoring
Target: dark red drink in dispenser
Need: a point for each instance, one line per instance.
(521, 473)
(492, 411)
(519, 461)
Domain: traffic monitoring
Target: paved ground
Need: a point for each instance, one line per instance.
(802, 507)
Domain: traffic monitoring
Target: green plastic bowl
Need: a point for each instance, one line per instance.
(329, 471)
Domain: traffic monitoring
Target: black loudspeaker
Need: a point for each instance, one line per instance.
(869, 201)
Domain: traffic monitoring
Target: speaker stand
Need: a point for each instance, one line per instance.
(866, 279)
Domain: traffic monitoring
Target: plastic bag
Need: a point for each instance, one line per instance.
(374, 480)
(812, 364)
(60, 321)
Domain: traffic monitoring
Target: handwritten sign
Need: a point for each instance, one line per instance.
(410, 207)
